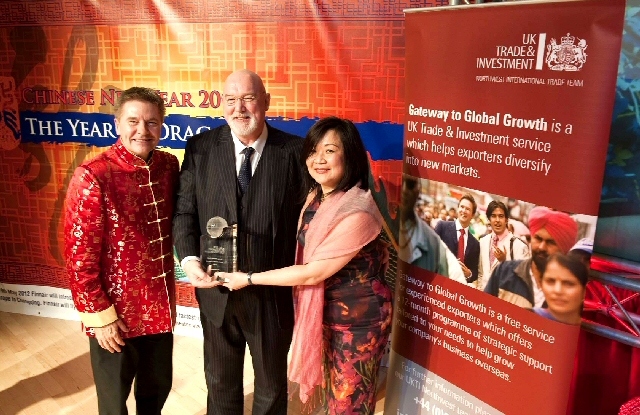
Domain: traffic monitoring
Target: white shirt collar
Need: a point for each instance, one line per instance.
(505, 235)
(257, 145)
(459, 226)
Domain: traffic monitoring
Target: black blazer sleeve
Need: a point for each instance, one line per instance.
(186, 232)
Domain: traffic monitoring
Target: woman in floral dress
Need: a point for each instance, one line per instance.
(343, 305)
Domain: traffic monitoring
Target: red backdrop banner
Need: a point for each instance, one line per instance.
(518, 103)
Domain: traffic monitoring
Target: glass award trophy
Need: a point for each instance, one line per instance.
(218, 248)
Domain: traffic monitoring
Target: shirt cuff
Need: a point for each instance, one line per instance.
(99, 319)
(187, 259)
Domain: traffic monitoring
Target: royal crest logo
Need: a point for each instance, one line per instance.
(567, 56)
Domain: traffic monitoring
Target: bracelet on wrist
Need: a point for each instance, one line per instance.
(249, 278)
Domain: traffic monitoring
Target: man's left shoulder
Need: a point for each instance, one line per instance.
(163, 156)
(517, 242)
(449, 225)
(508, 267)
(287, 140)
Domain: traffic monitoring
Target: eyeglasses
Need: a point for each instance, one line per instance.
(246, 99)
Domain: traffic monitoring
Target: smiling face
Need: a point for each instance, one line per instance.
(498, 221)
(465, 212)
(326, 162)
(563, 292)
(139, 127)
(245, 104)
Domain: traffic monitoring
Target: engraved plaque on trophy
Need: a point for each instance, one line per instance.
(218, 248)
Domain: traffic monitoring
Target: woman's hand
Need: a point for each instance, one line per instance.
(197, 276)
(232, 280)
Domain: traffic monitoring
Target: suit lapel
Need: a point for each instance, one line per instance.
(223, 162)
(467, 250)
(455, 237)
(274, 168)
(466, 247)
(468, 244)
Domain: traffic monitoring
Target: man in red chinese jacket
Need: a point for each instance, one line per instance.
(119, 257)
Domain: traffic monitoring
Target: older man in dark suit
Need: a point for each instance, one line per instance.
(248, 173)
(456, 235)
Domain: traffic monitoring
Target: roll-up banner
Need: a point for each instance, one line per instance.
(509, 102)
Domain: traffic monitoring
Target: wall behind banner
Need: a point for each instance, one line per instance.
(62, 64)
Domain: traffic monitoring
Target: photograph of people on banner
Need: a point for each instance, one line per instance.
(513, 254)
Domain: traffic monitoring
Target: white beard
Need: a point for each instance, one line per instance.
(244, 130)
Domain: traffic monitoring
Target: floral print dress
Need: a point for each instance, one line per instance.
(356, 325)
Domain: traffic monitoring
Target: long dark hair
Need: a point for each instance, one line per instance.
(356, 163)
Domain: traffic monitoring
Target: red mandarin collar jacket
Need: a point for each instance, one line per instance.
(118, 244)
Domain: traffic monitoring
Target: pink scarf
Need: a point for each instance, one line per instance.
(325, 239)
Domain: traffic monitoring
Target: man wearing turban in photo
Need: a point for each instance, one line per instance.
(518, 282)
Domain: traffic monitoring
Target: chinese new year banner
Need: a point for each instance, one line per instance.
(63, 64)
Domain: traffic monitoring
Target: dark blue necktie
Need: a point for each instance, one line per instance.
(244, 176)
